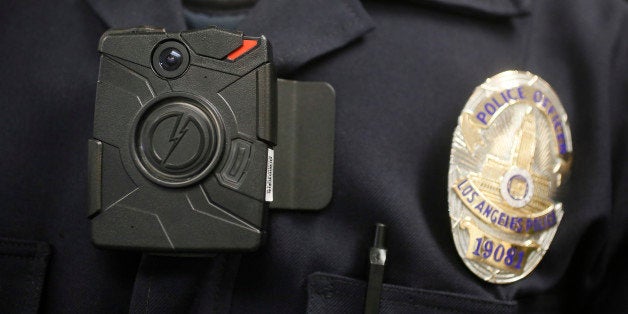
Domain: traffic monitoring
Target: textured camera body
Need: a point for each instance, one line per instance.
(184, 127)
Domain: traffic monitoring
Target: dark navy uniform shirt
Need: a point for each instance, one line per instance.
(402, 72)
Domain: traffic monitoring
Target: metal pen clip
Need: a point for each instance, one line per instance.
(377, 261)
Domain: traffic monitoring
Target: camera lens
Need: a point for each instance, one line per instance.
(170, 59)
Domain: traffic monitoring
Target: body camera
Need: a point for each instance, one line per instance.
(184, 129)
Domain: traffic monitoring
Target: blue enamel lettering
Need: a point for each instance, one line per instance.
(538, 96)
(477, 246)
(499, 253)
(471, 198)
(493, 214)
(490, 109)
(502, 220)
(486, 248)
(461, 183)
(482, 117)
(480, 206)
(488, 210)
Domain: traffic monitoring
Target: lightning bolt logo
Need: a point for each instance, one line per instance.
(177, 134)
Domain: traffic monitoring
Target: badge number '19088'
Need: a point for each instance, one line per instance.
(510, 153)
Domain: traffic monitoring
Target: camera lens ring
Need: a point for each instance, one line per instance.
(170, 59)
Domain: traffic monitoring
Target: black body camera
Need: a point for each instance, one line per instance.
(194, 137)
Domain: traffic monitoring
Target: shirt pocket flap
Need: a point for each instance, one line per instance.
(329, 293)
(22, 270)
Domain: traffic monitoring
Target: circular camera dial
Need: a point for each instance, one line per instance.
(177, 142)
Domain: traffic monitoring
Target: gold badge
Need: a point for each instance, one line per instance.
(510, 153)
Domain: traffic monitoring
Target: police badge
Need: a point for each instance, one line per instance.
(510, 153)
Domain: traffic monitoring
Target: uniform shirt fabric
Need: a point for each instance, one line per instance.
(402, 72)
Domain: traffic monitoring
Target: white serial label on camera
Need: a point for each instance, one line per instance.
(269, 175)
